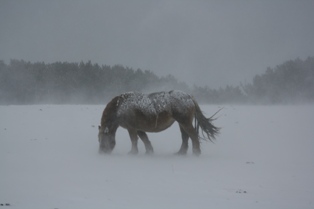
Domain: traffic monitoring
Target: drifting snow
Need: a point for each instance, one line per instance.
(263, 158)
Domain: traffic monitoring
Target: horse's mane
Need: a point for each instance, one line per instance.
(109, 114)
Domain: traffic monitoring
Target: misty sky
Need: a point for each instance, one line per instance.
(201, 42)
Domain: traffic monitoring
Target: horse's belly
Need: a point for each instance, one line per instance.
(148, 123)
(160, 126)
(156, 125)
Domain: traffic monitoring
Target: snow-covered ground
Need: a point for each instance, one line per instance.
(263, 158)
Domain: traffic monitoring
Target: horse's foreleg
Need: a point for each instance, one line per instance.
(134, 139)
(148, 145)
(185, 138)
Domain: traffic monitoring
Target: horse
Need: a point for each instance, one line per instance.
(140, 113)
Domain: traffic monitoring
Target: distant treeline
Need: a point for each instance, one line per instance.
(24, 82)
(290, 82)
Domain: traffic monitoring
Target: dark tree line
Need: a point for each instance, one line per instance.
(290, 82)
(67, 83)
(24, 82)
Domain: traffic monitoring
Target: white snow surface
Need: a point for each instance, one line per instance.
(263, 158)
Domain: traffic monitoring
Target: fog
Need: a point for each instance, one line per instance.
(213, 43)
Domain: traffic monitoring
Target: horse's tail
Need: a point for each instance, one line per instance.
(205, 124)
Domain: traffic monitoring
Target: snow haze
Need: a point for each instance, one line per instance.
(213, 43)
(263, 158)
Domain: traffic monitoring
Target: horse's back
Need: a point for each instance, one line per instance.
(156, 103)
(154, 112)
(181, 101)
(131, 102)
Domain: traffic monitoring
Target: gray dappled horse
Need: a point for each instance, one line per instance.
(155, 112)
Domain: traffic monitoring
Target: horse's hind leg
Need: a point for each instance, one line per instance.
(148, 145)
(185, 138)
(189, 129)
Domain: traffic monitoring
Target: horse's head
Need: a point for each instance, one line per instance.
(106, 140)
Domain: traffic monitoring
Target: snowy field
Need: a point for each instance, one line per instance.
(263, 158)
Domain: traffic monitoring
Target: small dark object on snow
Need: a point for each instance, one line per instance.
(241, 191)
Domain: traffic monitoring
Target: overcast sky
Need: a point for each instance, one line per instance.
(211, 43)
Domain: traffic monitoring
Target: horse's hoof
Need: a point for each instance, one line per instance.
(103, 152)
(149, 152)
(181, 153)
(197, 152)
(133, 152)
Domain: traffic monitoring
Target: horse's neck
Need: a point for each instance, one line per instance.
(110, 113)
